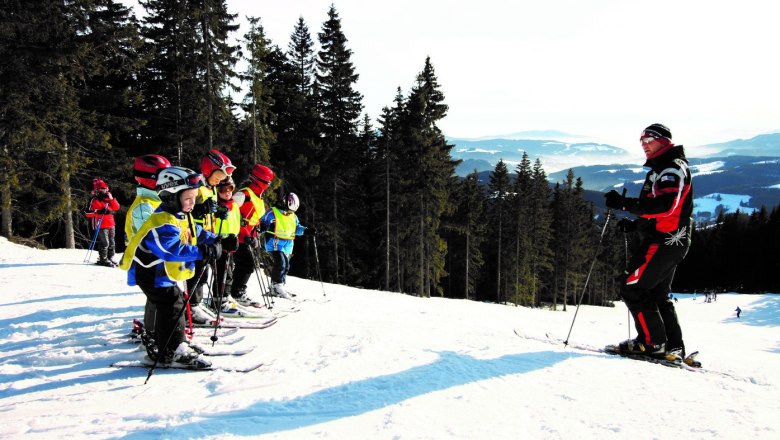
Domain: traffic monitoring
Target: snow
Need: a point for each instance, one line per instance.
(707, 168)
(373, 365)
(729, 203)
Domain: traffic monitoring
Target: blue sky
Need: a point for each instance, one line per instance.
(599, 68)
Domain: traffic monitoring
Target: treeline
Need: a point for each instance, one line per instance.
(739, 253)
(86, 86)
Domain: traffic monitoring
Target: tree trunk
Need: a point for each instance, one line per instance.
(6, 229)
(335, 230)
(387, 221)
(70, 240)
(468, 249)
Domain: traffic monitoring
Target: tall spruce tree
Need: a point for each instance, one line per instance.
(340, 107)
(469, 232)
(540, 227)
(258, 100)
(499, 211)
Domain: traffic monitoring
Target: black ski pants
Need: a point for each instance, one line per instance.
(166, 316)
(646, 294)
(243, 268)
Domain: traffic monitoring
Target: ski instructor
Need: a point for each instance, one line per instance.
(663, 225)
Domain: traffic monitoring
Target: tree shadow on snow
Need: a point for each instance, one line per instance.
(356, 398)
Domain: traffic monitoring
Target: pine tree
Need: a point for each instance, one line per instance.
(258, 100)
(340, 106)
(498, 220)
(467, 224)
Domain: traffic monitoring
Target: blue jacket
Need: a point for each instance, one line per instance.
(274, 243)
(164, 244)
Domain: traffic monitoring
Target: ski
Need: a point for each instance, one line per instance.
(602, 350)
(220, 351)
(148, 363)
(228, 323)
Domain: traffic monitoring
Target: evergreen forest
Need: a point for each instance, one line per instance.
(86, 86)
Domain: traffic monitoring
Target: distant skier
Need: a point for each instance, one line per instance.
(664, 210)
(100, 210)
(738, 310)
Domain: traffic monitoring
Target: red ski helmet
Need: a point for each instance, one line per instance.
(98, 184)
(147, 168)
(215, 160)
(261, 176)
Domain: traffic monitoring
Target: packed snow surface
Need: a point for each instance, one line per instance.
(374, 365)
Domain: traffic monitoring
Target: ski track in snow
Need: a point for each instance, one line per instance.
(371, 364)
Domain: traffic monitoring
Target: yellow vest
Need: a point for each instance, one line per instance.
(259, 205)
(129, 229)
(231, 225)
(176, 270)
(204, 192)
(285, 224)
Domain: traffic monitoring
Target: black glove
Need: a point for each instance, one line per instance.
(104, 211)
(626, 225)
(614, 200)
(230, 243)
(222, 213)
(210, 250)
(250, 241)
(311, 230)
(208, 206)
(102, 196)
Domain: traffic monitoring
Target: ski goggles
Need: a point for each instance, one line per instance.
(647, 138)
(226, 188)
(220, 164)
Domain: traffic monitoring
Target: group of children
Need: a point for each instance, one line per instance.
(183, 222)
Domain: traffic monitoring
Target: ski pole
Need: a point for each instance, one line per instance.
(214, 337)
(170, 335)
(266, 301)
(317, 260)
(94, 239)
(587, 279)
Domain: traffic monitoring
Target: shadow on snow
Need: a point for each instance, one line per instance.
(356, 398)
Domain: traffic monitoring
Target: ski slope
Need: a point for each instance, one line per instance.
(373, 365)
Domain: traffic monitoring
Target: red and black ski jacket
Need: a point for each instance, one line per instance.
(665, 203)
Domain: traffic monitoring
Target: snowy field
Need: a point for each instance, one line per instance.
(373, 365)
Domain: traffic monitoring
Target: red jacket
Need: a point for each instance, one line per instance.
(97, 207)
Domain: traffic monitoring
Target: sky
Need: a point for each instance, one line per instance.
(599, 68)
(373, 365)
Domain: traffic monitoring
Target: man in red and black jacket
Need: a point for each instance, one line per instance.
(100, 210)
(664, 209)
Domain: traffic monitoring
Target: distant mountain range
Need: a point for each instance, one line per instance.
(559, 151)
(739, 174)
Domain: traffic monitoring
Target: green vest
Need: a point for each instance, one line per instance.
(231, 225)
(176, 270)
(205, 192)
(285, 224)
(259, 205)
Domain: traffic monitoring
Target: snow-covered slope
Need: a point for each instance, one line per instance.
(373, 365)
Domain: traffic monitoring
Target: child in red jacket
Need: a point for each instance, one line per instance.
(100, 210)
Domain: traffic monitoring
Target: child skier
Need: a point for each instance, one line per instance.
(252, 206)
(227, 225)
(100, 210)
(161, 257)
(281, 225)
(215, 167)
(145, 171)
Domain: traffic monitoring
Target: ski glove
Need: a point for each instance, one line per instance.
(615, 200)
(250, 241)
(230, 243)
(208, 206)
(210, 250)
(626, 225)
(222, 213)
